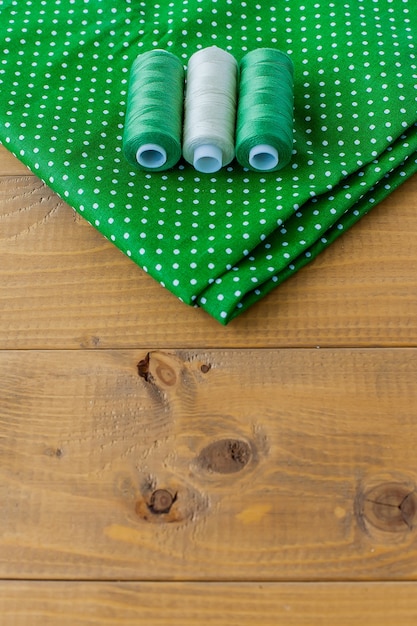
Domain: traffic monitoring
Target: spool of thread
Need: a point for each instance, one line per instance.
(210, 109)
(153, 126)
(264, 127)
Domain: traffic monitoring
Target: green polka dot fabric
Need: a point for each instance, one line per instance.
(220, 241)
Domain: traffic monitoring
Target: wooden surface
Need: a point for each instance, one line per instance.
(190, 604)
(158, 468)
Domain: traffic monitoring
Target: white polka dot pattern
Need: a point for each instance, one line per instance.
(218, 241)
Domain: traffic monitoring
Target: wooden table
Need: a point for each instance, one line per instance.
(158, 468)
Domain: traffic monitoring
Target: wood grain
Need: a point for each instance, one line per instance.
(10, 165)
(175, 462)
(62, 285)
(153, 604)
(278, 465)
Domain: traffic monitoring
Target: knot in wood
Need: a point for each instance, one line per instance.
(166, 374)
(225, 456)
(161, 501)
(143, 368)
(391, 507)
(158, 367)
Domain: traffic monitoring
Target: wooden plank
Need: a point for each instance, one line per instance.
(188, 604)
(214, 465)
(63, 285)
(9, 165)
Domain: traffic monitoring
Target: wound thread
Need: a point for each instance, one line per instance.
(210, 109)
(153, 126)
(264, 126)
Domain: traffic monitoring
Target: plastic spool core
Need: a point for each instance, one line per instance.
(263, 157)
(208, 158)
(151, 155)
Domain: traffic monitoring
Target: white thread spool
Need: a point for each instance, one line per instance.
(210, 109)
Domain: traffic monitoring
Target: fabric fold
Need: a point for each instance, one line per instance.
(222, 241)
(297, 241)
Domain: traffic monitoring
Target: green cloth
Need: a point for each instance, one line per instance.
(217, 241)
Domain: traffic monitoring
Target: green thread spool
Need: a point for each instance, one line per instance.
(264, 127)
(153, 126)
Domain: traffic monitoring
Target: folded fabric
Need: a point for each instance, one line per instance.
(218, 241)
